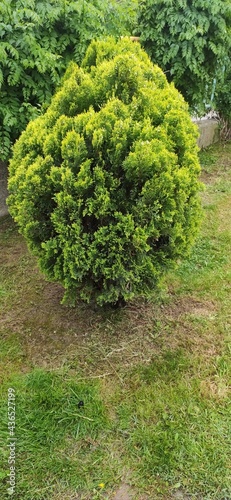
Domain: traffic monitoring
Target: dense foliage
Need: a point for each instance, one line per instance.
(190, 41)
(223, 104)
(37, 39)
(104, 185)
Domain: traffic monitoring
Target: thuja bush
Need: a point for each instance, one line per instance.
(104, 186)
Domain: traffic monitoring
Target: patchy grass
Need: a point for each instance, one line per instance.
(173, 427)
(154, 377)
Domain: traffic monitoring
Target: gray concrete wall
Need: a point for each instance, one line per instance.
(3, 188)
(209, 132)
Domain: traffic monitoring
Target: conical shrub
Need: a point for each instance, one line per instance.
(104, 186)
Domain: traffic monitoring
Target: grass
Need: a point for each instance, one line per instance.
(55, 435)
(154, 377)
(174, 430)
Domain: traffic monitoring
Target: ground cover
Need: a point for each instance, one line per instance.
(154, 377)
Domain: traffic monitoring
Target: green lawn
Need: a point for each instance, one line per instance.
(138, 396)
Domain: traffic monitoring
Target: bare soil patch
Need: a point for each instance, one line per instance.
(102, 343)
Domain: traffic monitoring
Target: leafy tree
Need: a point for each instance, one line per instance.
(121, 17)
(104, 185)
(190, 42)
(223, 104)
(37, 40)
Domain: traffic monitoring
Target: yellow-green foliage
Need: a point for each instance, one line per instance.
(104, 186)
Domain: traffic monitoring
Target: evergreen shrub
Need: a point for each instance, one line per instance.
(104, 186)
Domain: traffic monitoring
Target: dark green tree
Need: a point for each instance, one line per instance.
(190, 41)
(223, 104)
(104, 185)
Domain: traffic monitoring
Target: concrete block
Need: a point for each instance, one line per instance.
(3, 188)
(209, 132)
